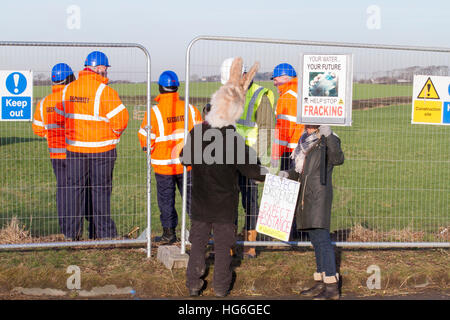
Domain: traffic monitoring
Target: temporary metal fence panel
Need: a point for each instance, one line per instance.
(392, 189)
(29, 215)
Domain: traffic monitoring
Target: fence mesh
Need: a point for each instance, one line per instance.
(29, 212)
(393, 186)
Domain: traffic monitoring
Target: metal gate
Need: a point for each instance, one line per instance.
(29, 215)
(392, 190)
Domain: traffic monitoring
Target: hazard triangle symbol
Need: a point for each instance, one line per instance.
(428, 91)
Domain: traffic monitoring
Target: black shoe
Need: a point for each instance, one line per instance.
(168, 237)
(330, 292)
(314, 290)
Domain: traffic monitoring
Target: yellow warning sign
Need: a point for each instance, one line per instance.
(428, 91)
(427, 111)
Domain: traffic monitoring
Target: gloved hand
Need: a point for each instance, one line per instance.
(274, 163)
(283, 174)
(324, 131)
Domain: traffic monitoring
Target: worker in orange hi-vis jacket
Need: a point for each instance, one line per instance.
(45, 125)
(94, 119)
(287, 130)
(167, 140)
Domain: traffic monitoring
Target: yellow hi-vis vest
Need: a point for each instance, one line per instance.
(246, 126)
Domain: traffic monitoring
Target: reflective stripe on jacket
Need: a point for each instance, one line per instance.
(167, 132)
(93, 113)
(246, 126)
(45, 123)
(287, 131)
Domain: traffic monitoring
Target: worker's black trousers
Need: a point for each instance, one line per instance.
(286, 164)
(89, 172)
(249, 193)
(60, 170)
(165, 191)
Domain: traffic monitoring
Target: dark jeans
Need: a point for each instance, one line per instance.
(224, 239)
(324, 251)
(249, 192)
(90, 172)
(166, 186)
(60, 170)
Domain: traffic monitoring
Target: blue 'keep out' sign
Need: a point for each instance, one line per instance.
(16, 95)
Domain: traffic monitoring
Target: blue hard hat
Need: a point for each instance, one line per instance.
(96, 58)
(283, 69)
(168, 79)
(60, 72)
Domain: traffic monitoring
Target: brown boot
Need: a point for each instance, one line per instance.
(250, 252)
(316, 288)
(331, 290)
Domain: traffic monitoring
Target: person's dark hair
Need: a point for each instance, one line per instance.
(167, 89)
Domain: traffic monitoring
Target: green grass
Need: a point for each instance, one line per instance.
(395, 174)
(206, 89)
(370, 91)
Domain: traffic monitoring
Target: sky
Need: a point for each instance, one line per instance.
(166, 28)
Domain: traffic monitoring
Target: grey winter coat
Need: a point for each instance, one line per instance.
(314, 200)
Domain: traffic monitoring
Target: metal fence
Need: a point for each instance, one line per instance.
(28, 216)
(392, 190)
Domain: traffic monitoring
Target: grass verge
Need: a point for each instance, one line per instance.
(275, 273)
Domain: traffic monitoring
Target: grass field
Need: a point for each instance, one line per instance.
(395, 175)
(206, 89)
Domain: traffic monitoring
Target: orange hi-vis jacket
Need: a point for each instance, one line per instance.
(287, 131)
(45, 123)
(167, 132)
(94, 116)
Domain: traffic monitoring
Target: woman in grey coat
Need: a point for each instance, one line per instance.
(317, 152)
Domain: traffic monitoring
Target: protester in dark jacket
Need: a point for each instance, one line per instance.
(217, 155)
(317, 152)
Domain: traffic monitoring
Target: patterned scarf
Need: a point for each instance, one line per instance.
(305, 143)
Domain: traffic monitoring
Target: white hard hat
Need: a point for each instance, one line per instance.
(225, 70)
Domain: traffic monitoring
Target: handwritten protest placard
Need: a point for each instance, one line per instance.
(277, 208)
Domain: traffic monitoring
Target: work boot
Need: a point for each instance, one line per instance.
(316, 288)
(331, 290)
(250, 252)
(169, 236)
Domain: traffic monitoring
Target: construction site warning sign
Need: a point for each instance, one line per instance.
(431, 100)
(277, 208)
(325, 93)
